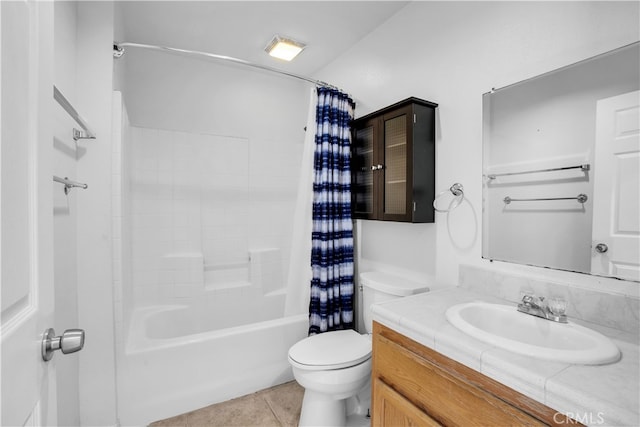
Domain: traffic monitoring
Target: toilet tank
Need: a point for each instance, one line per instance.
(378, 286)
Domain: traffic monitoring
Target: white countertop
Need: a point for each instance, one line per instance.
(594, 395)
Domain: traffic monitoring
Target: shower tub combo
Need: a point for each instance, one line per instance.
(228, 339)
(171, 367)
(202, 222)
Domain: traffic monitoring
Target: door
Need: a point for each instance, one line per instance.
(397, 161)
(26, 261)
(364, 167)
(616, 224)
(392, 409)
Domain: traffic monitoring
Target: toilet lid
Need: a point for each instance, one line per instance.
(331, 350)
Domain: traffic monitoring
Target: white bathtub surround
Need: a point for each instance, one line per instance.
(210, 177)
(202, 294)
(186, 271)
(189, 196)
(218, 297)
(266, 270)
(211, 341)
(614, 310)
(170, 369)
(218, 276)
(121, 218)
(196, 200)
(595, 395)
(300, 253)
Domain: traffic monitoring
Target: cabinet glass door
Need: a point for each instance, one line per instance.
(395, 166)
(363, 172)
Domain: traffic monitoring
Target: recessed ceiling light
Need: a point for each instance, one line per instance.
(284, 48)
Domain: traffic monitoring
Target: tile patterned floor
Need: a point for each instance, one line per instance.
(277, 406)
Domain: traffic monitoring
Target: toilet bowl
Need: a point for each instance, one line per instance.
(335, 367)
(331, 367)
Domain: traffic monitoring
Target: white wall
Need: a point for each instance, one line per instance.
(94, 88)
(451, 53)
(82, 228)
(121, 221)
(65, 211)
(176, 92)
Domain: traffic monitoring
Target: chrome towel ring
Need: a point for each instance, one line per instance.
(458, 192)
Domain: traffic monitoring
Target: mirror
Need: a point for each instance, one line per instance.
(561, 168)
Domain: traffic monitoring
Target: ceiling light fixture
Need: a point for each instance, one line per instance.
(284, 48)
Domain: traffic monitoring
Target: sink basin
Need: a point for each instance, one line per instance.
(507, 328)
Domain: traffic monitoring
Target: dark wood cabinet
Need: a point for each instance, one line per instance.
(393, 163)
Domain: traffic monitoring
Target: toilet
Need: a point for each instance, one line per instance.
(335, 367)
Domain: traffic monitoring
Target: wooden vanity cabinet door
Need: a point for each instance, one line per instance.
(410, 378)
(392, 409)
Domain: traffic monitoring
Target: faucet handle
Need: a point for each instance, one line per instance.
(528, 298)
(557, 306)
(532, 301)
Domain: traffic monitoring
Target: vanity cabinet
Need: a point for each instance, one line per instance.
(414, 385)
(393, 163)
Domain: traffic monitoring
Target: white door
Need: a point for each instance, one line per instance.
(26, 261)
(616, 215)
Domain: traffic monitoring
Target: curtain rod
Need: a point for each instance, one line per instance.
(118, 51)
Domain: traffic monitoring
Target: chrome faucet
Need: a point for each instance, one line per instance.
(537, 306)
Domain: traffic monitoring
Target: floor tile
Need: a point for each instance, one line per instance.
(277, 406)
(285, 402)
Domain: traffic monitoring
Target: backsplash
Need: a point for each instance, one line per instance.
(612, 310)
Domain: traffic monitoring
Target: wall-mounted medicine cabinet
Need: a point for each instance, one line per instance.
(393, 163)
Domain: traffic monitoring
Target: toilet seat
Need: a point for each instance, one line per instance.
(330, 350)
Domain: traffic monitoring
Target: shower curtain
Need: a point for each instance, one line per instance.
(332, 289)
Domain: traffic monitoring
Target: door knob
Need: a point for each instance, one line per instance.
(602, 248)
(70, 341)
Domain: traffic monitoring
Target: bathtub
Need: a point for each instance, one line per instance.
(165, 372)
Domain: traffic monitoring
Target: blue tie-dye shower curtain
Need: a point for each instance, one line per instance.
(331, 303)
